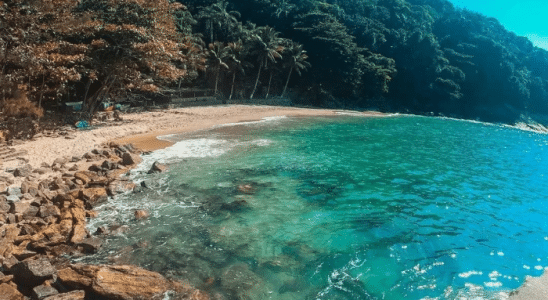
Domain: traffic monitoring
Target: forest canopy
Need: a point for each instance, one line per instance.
(418, 56)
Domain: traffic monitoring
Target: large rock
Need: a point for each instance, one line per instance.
(49, 210)
(157, 168)
(141, 214)
(244, 283)
(120, 187)
(43, 291)
(115, 282)
(23, 171)
(33, 272)
(130, 159)
(74, 295)
(94, 196)
(9, 292)
(91, 245)
(29, 187)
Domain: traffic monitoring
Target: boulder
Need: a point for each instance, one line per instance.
(74, 295)
(9, 262)
(29, 187)
(3, 187)
(23, 171)
(4, 205)
(94, 196)
(91, 245)
(15, 191)
(141, 214)
(120, 186)
(130, 159)
(244, 283)
(157, 168)
(49, 210)
(33, 272)
(115, 282)
(88, 177)
(9, 292)
(43, 291)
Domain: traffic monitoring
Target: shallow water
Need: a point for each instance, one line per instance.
(342, 208)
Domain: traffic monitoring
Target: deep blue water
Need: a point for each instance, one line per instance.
(342, 208)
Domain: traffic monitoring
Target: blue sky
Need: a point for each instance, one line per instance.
(524, 17)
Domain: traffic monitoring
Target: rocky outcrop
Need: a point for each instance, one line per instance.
(140, 214)
(43, 219)
(157, 168)
(119, 282)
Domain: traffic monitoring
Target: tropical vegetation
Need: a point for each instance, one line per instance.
(418, 56)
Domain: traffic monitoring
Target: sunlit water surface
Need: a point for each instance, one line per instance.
(345, 207)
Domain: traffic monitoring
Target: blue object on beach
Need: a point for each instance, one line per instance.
(82, 124)
(118, 107)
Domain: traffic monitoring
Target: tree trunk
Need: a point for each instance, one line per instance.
(268, 90)
(232, 88)
(217, 79)
(41, 91)
(287, 81)
(256, 81)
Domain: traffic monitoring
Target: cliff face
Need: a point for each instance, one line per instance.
(420, 56)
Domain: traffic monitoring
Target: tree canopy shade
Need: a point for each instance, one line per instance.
(91, 48)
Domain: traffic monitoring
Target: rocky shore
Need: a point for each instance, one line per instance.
(43, 215)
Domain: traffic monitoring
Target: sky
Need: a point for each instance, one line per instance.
(527, 18)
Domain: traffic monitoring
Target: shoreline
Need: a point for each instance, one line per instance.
(144, 131)
(48, 194)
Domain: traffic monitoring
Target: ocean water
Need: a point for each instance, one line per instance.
(345, 207)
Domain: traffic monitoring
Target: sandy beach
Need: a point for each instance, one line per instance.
(142, 129)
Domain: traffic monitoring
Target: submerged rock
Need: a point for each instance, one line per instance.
(141, 214)
(244, 283)
(117, 282)
(235, 206)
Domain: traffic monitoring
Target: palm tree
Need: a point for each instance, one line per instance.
(218, 54)
(236, 63)
(295, 60)
(217, 17)
(268, 47)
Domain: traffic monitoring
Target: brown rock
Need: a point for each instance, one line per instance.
(120, 186)
(92, 214)
(43, 291)
(141, 214)
(33, 272)
(115, 282)
(49, 210)
(94, 196)
(9, 292)
(19, 207)
(4, 206)
(157, 168)
(130, 159)
(23, 171)
(91, 245)
(9, 262)
(74, 295)
(79, 233)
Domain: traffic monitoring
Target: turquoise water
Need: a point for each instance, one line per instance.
(342, 208)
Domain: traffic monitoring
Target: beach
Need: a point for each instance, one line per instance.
(142, 129)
